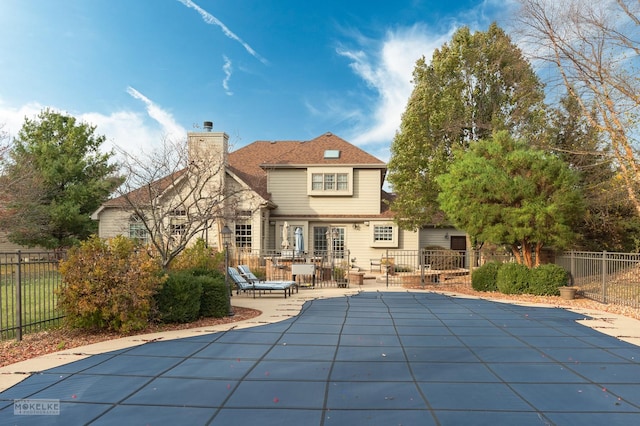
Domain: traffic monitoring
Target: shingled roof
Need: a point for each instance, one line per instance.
(251, 162)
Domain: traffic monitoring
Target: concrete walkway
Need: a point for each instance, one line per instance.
(367, 355)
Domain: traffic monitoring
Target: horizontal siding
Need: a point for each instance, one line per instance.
(431, 237)
(288, 188)
(113, 222)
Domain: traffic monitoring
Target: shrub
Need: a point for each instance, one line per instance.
(179, 298)
(214, 301)
(485, 278)
(513, 278)
(198, 256)
(545, 280)
(108, 285)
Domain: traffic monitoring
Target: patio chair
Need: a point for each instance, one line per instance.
(261, 286)
(241, 283)
(247, 274)
(245, 271)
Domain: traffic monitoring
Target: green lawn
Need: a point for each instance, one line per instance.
(39, 301)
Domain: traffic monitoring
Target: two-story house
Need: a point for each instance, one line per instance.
(324, 192)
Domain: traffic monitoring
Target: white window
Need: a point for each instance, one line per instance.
(316, 181)
(137, 230)
(342, 181)
(178, 212)
(330, 181)
(384, 235)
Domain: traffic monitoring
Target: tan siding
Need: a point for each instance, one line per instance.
(288, 188)
(438, 237)
(113, 222)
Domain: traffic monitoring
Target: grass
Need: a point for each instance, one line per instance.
(38, 285)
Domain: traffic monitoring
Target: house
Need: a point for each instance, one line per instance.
(325, 191)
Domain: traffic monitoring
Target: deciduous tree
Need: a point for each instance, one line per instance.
(593, 48)
(474, 85)
(609, 222)
(176, 198)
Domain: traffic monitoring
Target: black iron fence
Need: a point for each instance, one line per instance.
(332, 267)
(29, 281)
(28, 292)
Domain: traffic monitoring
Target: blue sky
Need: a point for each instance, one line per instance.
(141, 70)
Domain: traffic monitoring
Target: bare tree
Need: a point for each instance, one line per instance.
(176, 197)
(24, 182)
(594, 48)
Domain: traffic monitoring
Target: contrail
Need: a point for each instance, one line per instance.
(227, 68)
(210, 19)
(163, 118)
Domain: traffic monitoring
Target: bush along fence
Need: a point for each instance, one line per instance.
(28, 292)
(29, 281)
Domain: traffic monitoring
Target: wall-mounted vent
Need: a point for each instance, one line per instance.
(332, 154)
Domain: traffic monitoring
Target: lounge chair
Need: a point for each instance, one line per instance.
(245, 271)
(242, 283)
(247, 274)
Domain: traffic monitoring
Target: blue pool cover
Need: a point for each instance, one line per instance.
(376, 358)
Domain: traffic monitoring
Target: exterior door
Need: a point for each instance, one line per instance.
(459, 244)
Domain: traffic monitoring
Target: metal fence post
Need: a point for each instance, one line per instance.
(18, 302)
(386, 255)
(572, 267)
(422, 267)
(604, 276)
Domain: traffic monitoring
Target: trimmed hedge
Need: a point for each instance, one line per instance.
(485, 277)
(179, 298)
(513, 278)
(213, 301)
(545, 280)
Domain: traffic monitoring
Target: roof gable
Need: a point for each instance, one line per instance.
(250, 162)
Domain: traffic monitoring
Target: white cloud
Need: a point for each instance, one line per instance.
(388, 71)
(12, 118)
(387, 68)
(125, 129)
(227, 69)
(210, 19)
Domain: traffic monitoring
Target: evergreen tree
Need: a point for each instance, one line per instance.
(55, 178)
(475, 85)
(504, 192)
